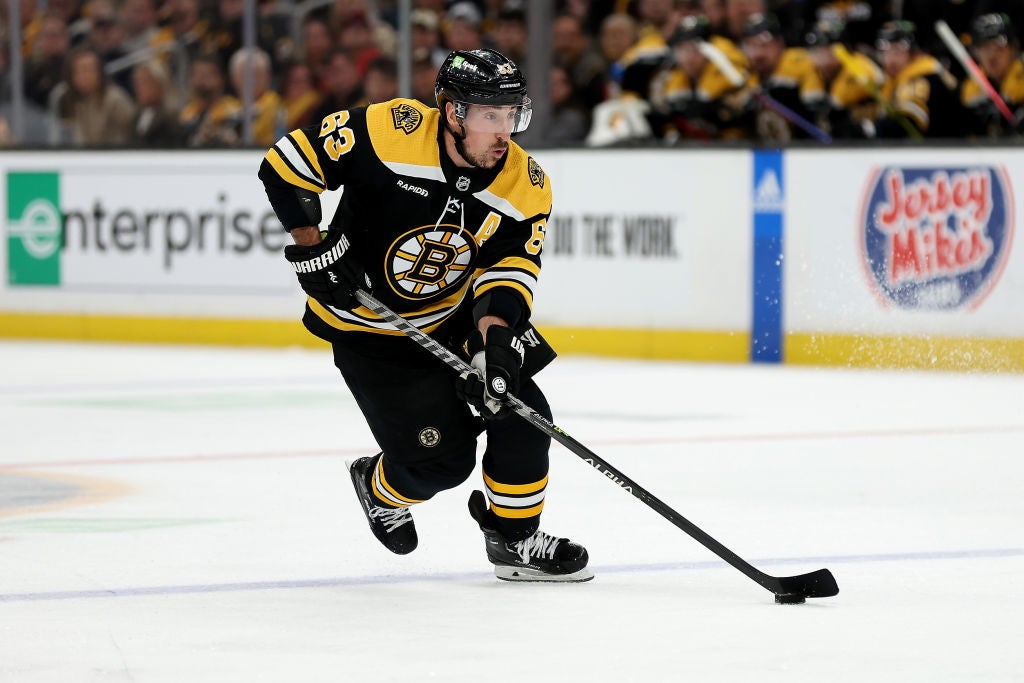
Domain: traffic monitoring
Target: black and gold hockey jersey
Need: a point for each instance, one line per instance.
(854, 94)
(701, 107)
(796, 84)
(851, 88)
(985, 118)
(433, 238)
(927, 95)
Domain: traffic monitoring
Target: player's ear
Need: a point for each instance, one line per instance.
(449, 115)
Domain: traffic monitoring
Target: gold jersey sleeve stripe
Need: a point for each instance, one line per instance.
(302, 142)
(526, 293)
(517, 489)
(516, 513)
(520, 263)
(288, 175)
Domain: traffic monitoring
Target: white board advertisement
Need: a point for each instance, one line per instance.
(904, 242)
(637, 238)
(647, 239)
(185, 233)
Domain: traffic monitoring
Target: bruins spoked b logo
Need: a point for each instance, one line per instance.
(427, 261)
(429, 437)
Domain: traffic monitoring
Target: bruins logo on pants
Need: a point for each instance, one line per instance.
(427, 261)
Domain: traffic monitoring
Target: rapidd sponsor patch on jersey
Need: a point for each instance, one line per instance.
(406, 118)
(937, 238)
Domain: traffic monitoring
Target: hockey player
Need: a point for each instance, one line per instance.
(918, 86)
(693, 96)
(443, 218)
(997, 50)
(854, 87)
(786, 74)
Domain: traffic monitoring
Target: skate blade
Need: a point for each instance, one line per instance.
(506, 573)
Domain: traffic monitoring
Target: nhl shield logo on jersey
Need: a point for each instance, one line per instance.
(536, 173)
(936, 238)
(406, 117)
(430, 261)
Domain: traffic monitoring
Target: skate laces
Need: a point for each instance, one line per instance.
(392, 518)
(538, 545)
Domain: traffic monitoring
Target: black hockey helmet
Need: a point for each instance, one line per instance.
(994, 26)
(825, 32)
(897, 33)
(758, 25)
(691, 28)
(484, 77)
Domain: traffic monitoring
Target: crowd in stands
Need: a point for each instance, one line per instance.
(172, 73)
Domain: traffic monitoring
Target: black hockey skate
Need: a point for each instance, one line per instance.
(393, 527)
(540, 557)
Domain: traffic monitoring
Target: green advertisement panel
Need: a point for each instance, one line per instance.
(33, 228)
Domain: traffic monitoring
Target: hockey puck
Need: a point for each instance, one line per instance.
(789, 599)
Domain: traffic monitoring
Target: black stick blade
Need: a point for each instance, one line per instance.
(819, 584)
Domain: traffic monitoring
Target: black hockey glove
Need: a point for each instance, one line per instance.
(495, 372)
(327, 271)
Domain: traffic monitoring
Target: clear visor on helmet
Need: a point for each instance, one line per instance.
(499, 119)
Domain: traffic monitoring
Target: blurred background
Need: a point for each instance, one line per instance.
(816, 182)
(230, 73)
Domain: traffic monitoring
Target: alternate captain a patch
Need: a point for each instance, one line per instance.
(406, 117)
(536, 173)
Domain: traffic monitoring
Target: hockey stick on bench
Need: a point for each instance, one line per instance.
(713, 54)
(787, 589)
(958, 50)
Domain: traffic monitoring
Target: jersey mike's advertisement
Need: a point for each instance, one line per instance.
(895, 242)
(937, 238)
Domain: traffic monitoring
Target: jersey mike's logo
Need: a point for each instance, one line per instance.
(428, 261)
(937, 238)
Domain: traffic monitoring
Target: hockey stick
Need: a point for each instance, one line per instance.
(718, 58)
(972, 68)
(850, 64)
(787, 589)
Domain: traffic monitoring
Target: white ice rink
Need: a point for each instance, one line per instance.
(183, 515)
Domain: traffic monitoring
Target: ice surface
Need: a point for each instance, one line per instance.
(176, 514)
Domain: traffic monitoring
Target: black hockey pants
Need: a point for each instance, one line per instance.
(429, 437)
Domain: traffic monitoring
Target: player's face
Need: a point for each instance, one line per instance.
(825, 61)
(689, 58)
(894, 57)
(764, 53)
(488, 130)
(994, 58)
